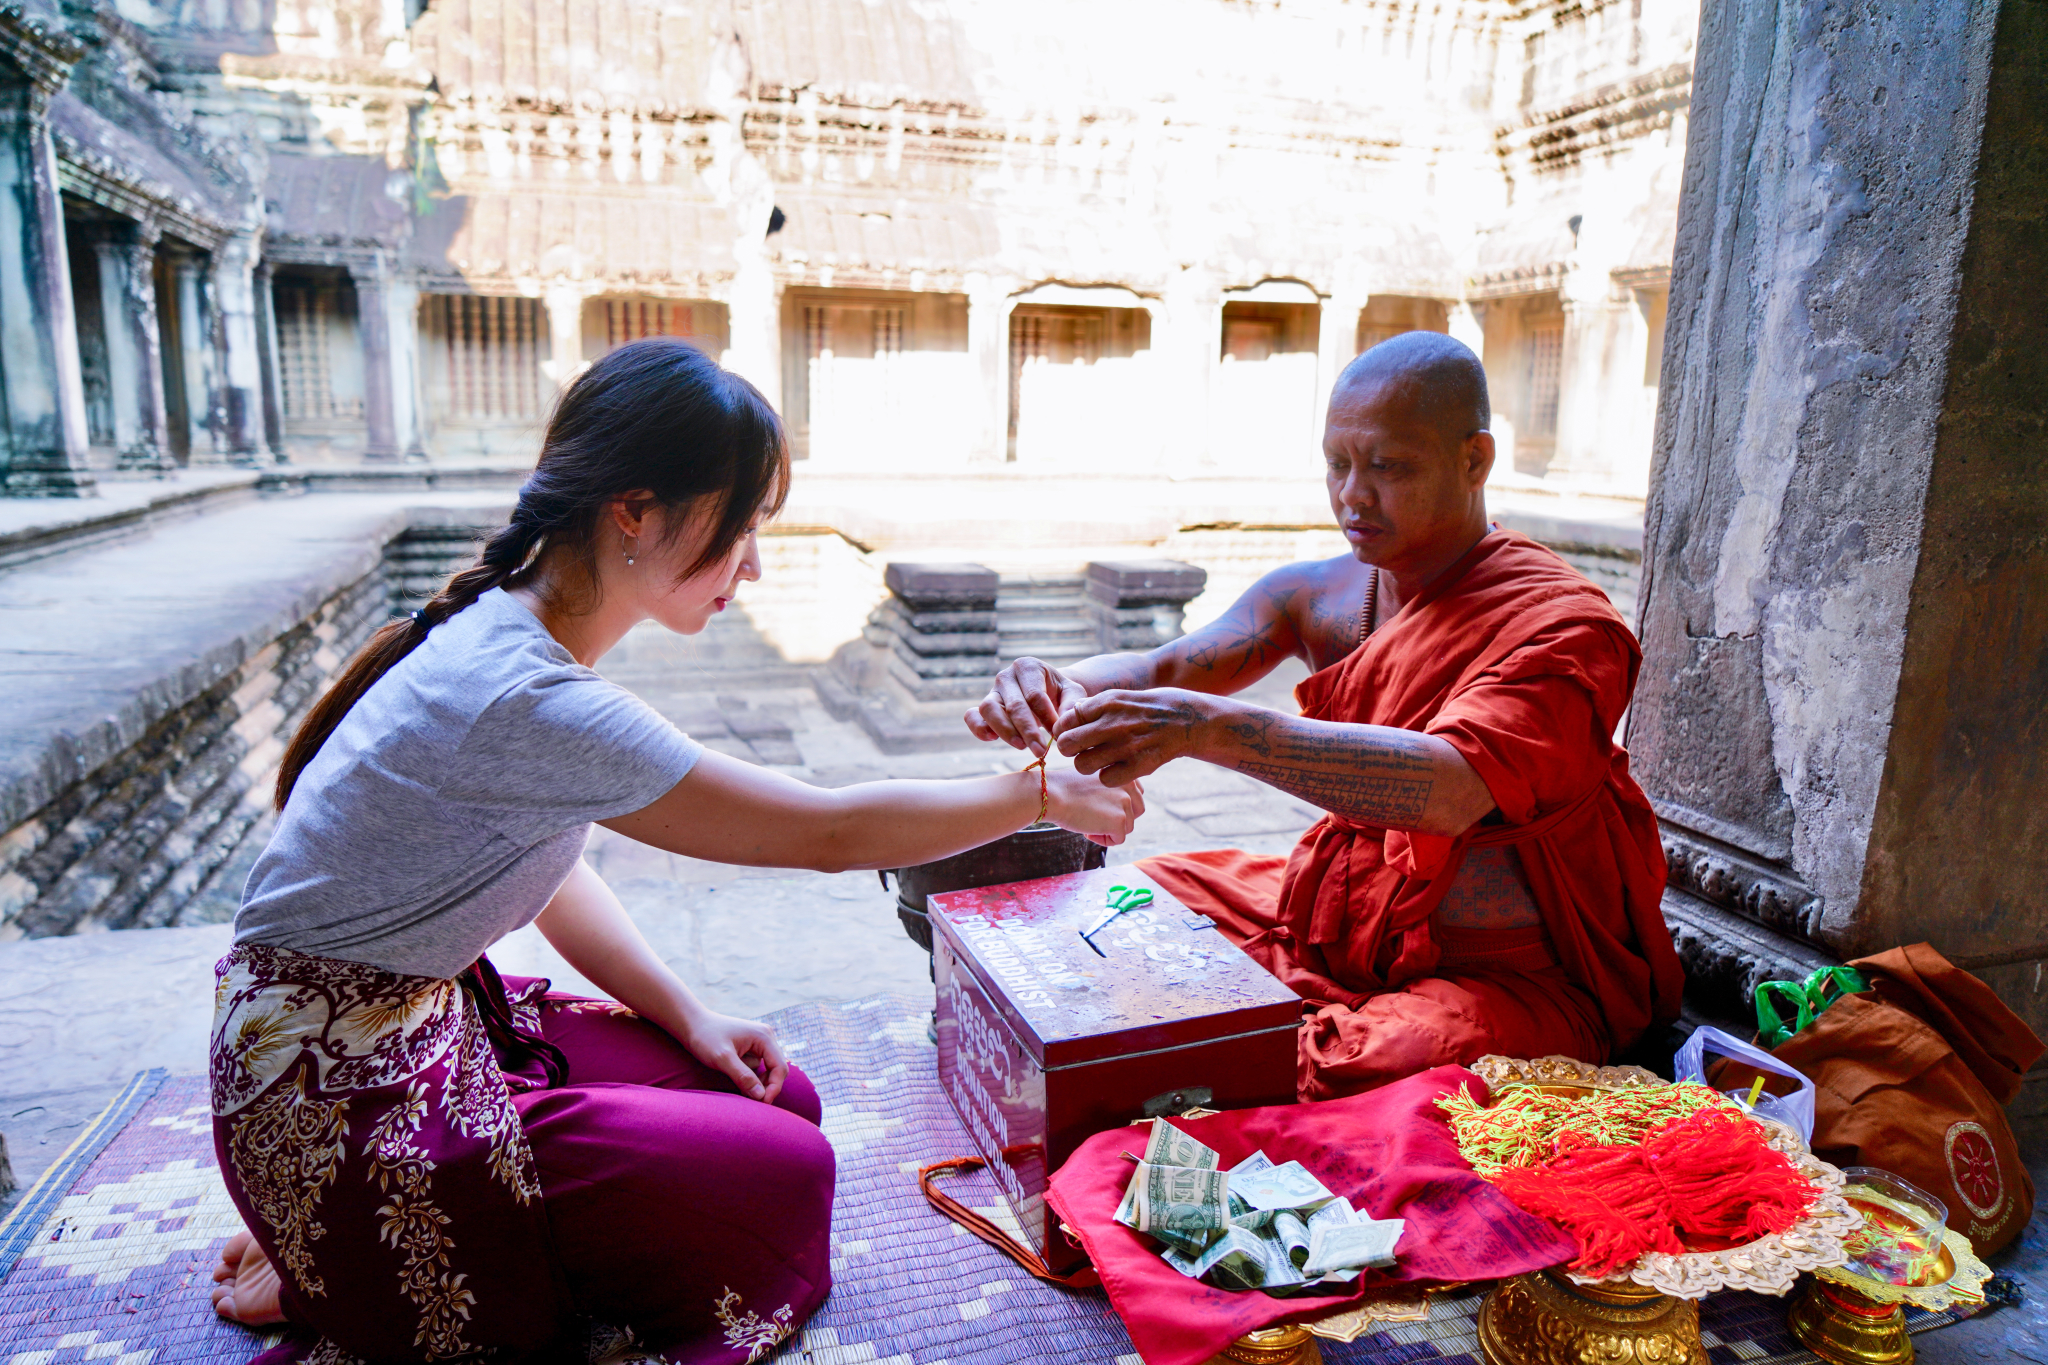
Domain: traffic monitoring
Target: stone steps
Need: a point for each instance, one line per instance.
(1045, 616)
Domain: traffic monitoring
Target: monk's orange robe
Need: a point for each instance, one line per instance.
(1524, 667)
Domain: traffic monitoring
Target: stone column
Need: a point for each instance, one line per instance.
(988, 342)
(1336, 347)
(135, 363)
(564, 302)
(373, 319)
(196, 355)
(273, 380)
(239, 397)
(43, 435)
(1190, 351)
(1843, 712)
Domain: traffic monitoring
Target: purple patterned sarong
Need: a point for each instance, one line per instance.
(478, 1170)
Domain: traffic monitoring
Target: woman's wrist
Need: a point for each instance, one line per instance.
(1034, 796)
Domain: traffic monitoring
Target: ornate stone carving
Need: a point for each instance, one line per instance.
(1718, 874)
(1726, 955)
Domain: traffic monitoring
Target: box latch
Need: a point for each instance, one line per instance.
(1179, 1101)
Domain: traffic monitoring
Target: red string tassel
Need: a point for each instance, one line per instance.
(1710, 1179)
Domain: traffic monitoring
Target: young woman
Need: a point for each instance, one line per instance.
(434, 1162)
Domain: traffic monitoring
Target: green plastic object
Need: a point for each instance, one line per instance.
(1785, 1007)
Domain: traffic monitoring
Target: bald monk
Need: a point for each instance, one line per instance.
(1487, 878)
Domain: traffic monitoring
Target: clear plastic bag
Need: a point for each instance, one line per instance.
(1794, 1110)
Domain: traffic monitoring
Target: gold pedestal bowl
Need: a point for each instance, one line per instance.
(1545, 1319)
(1838, 1324)
(1850, 1319)
(1288, 1344)
(1650, 1314)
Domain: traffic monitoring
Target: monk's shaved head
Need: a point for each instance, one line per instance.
(1436, 377)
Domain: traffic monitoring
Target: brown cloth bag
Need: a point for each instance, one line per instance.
(1914, 1076)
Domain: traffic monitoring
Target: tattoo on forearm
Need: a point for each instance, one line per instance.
(1394, 752)
(1254, 732)
(1181, 713)
(1133, 672)
(1373, 800)
(1382, 778)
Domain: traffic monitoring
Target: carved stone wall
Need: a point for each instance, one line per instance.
(1841, 712)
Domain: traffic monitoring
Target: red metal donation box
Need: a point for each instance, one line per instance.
(1043, 1041)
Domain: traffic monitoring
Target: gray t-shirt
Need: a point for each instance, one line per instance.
(454, 798)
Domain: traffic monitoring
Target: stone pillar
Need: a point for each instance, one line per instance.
(1843, 711)
(273, 375)
(197, 361)
(1336, 347)
(387, 312)
(927, 653)
(1190, 352)
(564, 302)
(988, 342)
(135, 363)
(1140, 604)
(42, 395)
(239, 396)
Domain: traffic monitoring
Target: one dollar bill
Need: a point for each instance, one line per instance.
(1336, 1248)
(1176, 1199)
(1169, 1146)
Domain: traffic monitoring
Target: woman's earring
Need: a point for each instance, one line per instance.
(629, 554)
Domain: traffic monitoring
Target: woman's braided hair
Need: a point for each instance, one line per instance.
(656, 418)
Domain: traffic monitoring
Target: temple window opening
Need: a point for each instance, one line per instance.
(1266, 394)
(1078, 377)
(611, 322)
(320, 358)
(876, 379)
(1524, 354)
(1389, 315)
(483, 356)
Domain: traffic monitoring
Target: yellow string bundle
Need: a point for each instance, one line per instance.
(1527, 1127)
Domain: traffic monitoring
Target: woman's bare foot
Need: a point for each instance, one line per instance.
(248, 1287)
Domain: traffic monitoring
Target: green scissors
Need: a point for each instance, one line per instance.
(1121, 898)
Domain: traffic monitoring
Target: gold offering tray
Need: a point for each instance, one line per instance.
(1769, 1265)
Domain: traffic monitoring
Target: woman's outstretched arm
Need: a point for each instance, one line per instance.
(588, 927)
(726, 811)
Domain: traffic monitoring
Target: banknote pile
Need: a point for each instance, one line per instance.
(1257, 1225)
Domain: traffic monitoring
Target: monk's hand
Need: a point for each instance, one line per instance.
(1086, 805)
(1024, 706)
(1125, 735)
(743, 1050)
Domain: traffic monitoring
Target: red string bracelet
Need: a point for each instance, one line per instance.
(1043, 797)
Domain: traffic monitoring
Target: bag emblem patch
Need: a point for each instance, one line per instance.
(1973, 1166)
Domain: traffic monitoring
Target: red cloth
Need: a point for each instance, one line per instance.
(1493, 991)
(1524, 667)
(1390, 1153)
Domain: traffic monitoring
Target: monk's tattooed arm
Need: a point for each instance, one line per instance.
(1373, 774)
